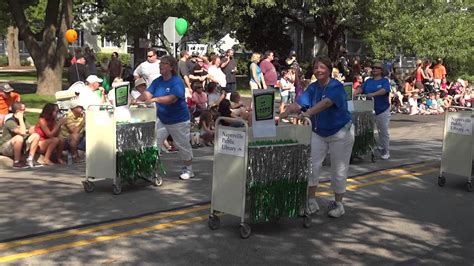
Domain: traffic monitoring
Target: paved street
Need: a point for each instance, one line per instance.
(395, 214)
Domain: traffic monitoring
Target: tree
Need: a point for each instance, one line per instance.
(423, 28)
(47, 46)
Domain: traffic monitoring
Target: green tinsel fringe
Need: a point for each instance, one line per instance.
(364, 133)
(136, 164)
(277, 180)
(275, 199)
(271, 142)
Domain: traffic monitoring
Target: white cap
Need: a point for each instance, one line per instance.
(93, 78)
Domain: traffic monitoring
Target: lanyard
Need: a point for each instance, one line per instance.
(320, 99)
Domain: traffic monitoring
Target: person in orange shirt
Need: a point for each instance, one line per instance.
(7, 98)
(439, 72)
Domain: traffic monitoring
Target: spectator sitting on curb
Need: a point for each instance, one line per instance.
(48, 128)
(7, 98)
(17, 132)
(72, 131)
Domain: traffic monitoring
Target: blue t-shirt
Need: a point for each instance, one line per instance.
(381, 103)
(332, 119)
(170, 113)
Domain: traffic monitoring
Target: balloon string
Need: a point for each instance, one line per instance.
(75, 63)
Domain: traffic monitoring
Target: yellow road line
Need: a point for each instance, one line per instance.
(77, 232)
(98, 239)
(379, 173)
(156, 227)
(379, 181)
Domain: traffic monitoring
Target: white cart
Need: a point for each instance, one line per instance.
(107, 140)
(235, 192)
(458, 146)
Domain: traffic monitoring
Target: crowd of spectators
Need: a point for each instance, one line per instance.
(210, 91)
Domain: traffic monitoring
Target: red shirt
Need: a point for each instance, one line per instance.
(200, 99)
(269, 73)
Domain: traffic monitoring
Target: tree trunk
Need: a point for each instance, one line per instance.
(139, 53)
(49, 51)
(13, 48)
(49, 79)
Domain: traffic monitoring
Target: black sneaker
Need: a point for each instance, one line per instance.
(19, 165)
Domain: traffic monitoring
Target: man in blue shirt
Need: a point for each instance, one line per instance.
(378, 87)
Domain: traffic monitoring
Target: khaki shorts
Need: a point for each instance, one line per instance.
(7, 147)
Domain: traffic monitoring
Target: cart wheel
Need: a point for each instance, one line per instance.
(373, 158)
(469, 187)
(245, 231)
(116, 189)
(214, 222)
(157, 181)
(441, 181)
(307, 221)
(88, 186)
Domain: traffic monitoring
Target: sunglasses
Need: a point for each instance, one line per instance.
(150, 55)
(376, 67)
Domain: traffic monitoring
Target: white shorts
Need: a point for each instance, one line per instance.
(180, 132)
(340, 147)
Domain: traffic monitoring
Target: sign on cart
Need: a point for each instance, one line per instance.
(460, 125)
(231, 142)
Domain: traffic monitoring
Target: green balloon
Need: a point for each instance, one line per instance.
(181, 26)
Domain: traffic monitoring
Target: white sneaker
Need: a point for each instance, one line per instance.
(313, 206)
(386, 156)
(336, 209)
(186, 174)
(30, 163)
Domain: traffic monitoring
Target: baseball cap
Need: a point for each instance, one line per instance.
(6, 87)
(139, 82)
(75, 103)
(93, 78)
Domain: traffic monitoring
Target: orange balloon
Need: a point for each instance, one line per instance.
(71, 35)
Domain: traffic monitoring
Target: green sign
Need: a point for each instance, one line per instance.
(348, 89)
(263, 106)
(121, 95)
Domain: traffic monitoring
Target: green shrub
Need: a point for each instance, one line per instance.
(24, 62)
(242, 66)
(124, 58)
(3, 60)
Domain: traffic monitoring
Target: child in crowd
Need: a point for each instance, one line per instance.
(423, 108)
(433, 106)
(206, 124)
(213, 96)
(287, 90)
(199, 97)
(236, 106)
(413, 104)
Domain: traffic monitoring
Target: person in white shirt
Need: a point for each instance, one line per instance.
(215, 73)
(90, 93)
(140, 87)
(150, 69)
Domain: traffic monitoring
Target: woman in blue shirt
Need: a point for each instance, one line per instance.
(325, 103)
(378, 87)
(167, 92)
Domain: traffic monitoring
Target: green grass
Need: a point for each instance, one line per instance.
(24, 76)
(31, 118)
(33, 100)
(18, 76)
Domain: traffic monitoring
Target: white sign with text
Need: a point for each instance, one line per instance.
(231, 142)
(460, 125)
